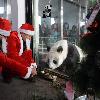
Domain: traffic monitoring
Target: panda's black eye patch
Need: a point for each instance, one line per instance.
(54, 61)
(59, 49)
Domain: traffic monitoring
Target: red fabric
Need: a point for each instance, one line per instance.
(27, 55)
(27, 26)
(13, 49)
(1, 24)
(0, 69)
(12, 65)
(5, 24)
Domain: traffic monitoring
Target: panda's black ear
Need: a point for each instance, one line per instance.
(48, 48)
(59, 49)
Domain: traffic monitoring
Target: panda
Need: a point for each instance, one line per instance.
(47, 11)
(69, 59)
(65, 57)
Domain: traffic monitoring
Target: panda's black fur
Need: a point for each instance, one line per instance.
(83, 73)
(69, 65)
(72, 62)
(86, 74)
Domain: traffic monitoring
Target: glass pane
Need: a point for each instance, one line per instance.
(49, 25)
(3, 10)
(73, 19)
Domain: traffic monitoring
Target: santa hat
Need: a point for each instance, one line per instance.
(5, 27)
(27, 29)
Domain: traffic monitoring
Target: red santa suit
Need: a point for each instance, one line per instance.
(12, 65)
(14, 50)
(23, 69)
(15, 46)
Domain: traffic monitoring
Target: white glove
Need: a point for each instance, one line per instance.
(33, 65)
(28, 42)
(28, 73)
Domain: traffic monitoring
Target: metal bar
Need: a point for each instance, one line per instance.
(36, 27)
(61, 19)
(79, 20)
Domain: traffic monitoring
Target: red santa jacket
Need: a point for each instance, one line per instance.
(13, 49)
(12, 65)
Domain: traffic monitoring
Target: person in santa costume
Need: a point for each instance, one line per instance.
(15, 45)
(14, 67)
(25, 67)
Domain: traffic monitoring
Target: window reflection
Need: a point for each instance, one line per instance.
(1, 10)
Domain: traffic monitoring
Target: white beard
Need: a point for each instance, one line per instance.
(4, 45)
(21, 42)
(28, 44)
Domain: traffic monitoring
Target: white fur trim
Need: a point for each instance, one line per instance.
(92, 17)
(27, 31)
(21, 42)
(4, 32)
(28, 73)
(4, 45)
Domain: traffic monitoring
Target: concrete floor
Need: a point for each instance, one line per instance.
(23, 90)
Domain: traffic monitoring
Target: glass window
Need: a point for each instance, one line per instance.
(73, 20)
(49, 25)
(50, 21)
(3, 8)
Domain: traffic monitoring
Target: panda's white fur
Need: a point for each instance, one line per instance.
(82, 55)
(60, 56)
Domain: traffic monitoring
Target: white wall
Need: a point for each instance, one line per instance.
(17, 13)
(21, 12)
